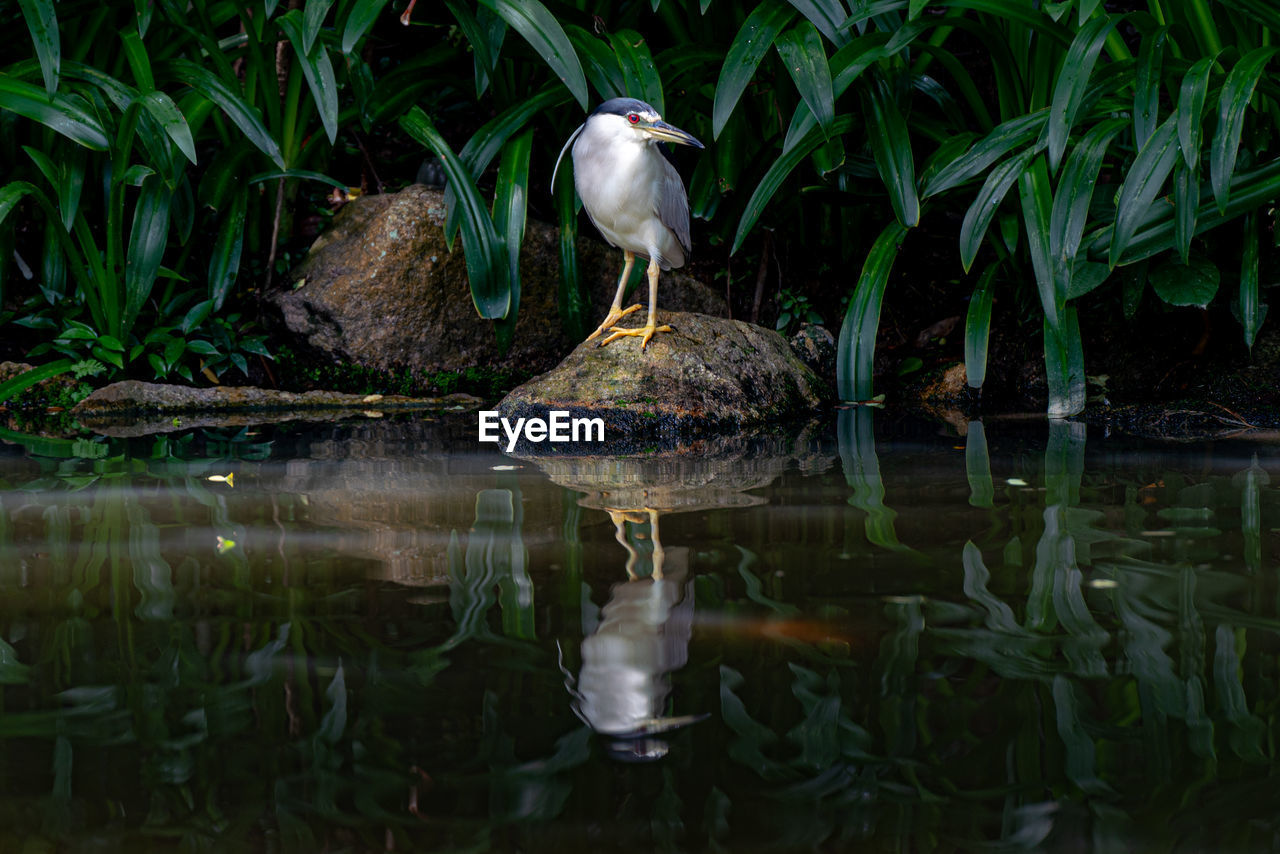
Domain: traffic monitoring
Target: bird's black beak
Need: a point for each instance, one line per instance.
(667, 133)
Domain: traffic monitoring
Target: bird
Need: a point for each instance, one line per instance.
(634, 197)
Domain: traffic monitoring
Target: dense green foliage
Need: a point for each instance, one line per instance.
(1082, 147)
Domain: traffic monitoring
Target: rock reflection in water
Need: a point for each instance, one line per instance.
(642, 637)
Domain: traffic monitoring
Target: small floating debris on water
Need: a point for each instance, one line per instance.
(225, 545)
(228, 479)
(1103, 583)
(371, 413)
(1016, 481)
(504, 468)
(371, 398)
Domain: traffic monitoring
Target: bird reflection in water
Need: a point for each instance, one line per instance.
(643, 636)
(623, 688)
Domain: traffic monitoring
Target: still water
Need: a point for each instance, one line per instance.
(873, 635)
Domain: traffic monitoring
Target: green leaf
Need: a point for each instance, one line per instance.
(1003, 138)
(136, 53)
(601, 63)
(572, 300)
(42, 23)
(806, 60)
(855, 355)
(891, 146)
(1070, 209)
(224, 263)
(362, 16)
(977, 329)
(245, 117)
(983, 209)
(317, 69)
(25, 380)
(147, 238)
(1195, 86)
(1064, 366)
(1146, 87)
(1073, 80)
(510, 206)
(1085, 276)
(164, 111)
(485, 250)
(312, 20)
(1186, 203)
(539, 28)
(297, 174)
(142, 11)
(638, 69)
(777, 173)
(749, 47)
(196, 315)
(1033, 188)
(57, 112)
(1143, 183)
(828, 16)
(1190, 284)
(1252, 311)
(846, 66)
(1234, 100)
(486, 142)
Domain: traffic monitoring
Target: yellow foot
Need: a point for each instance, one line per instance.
(613, 317)
(646, 332)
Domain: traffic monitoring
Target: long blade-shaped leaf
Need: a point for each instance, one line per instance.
(56, 112)
(1146, 86)
(1064, 366)
(828, 16)
(891, 146)
(1033, 189)
(317, 69)
(638, 69)
(26, 379)
(806, 60)
(1195, 85)
(42, 22)
(1073, 80)
(510, 204)
(777, 173)
(572, 300)
(846, 66)
(600, 64)
(1145, 179)
(749, 47)
(1186, 202)
(164, 111)
(855, 355)
(484, 249)
(312, 19)
(1236, 93)
(977, 219)
(1075, 191)
(147, 238)
(539, 28)
(360, 19)
(245, 117)
(224, 263)
(486, 142)
(1252, 311)
(1003, 138)
(977, 329)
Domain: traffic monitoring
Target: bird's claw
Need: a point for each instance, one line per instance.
(613, 317)
(646, 333)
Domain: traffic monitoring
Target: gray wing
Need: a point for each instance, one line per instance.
(673, 204)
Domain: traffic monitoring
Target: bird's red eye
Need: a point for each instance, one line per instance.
(633, 118)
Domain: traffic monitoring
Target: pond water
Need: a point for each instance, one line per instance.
(874, 634)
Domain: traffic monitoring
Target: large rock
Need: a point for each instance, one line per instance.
(708, 374)
(381, 289)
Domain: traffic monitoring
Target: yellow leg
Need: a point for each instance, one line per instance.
(615, 311)
(651, 328)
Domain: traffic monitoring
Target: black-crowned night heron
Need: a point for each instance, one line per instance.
(633, 195)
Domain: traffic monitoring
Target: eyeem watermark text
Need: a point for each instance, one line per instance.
(559, 427)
